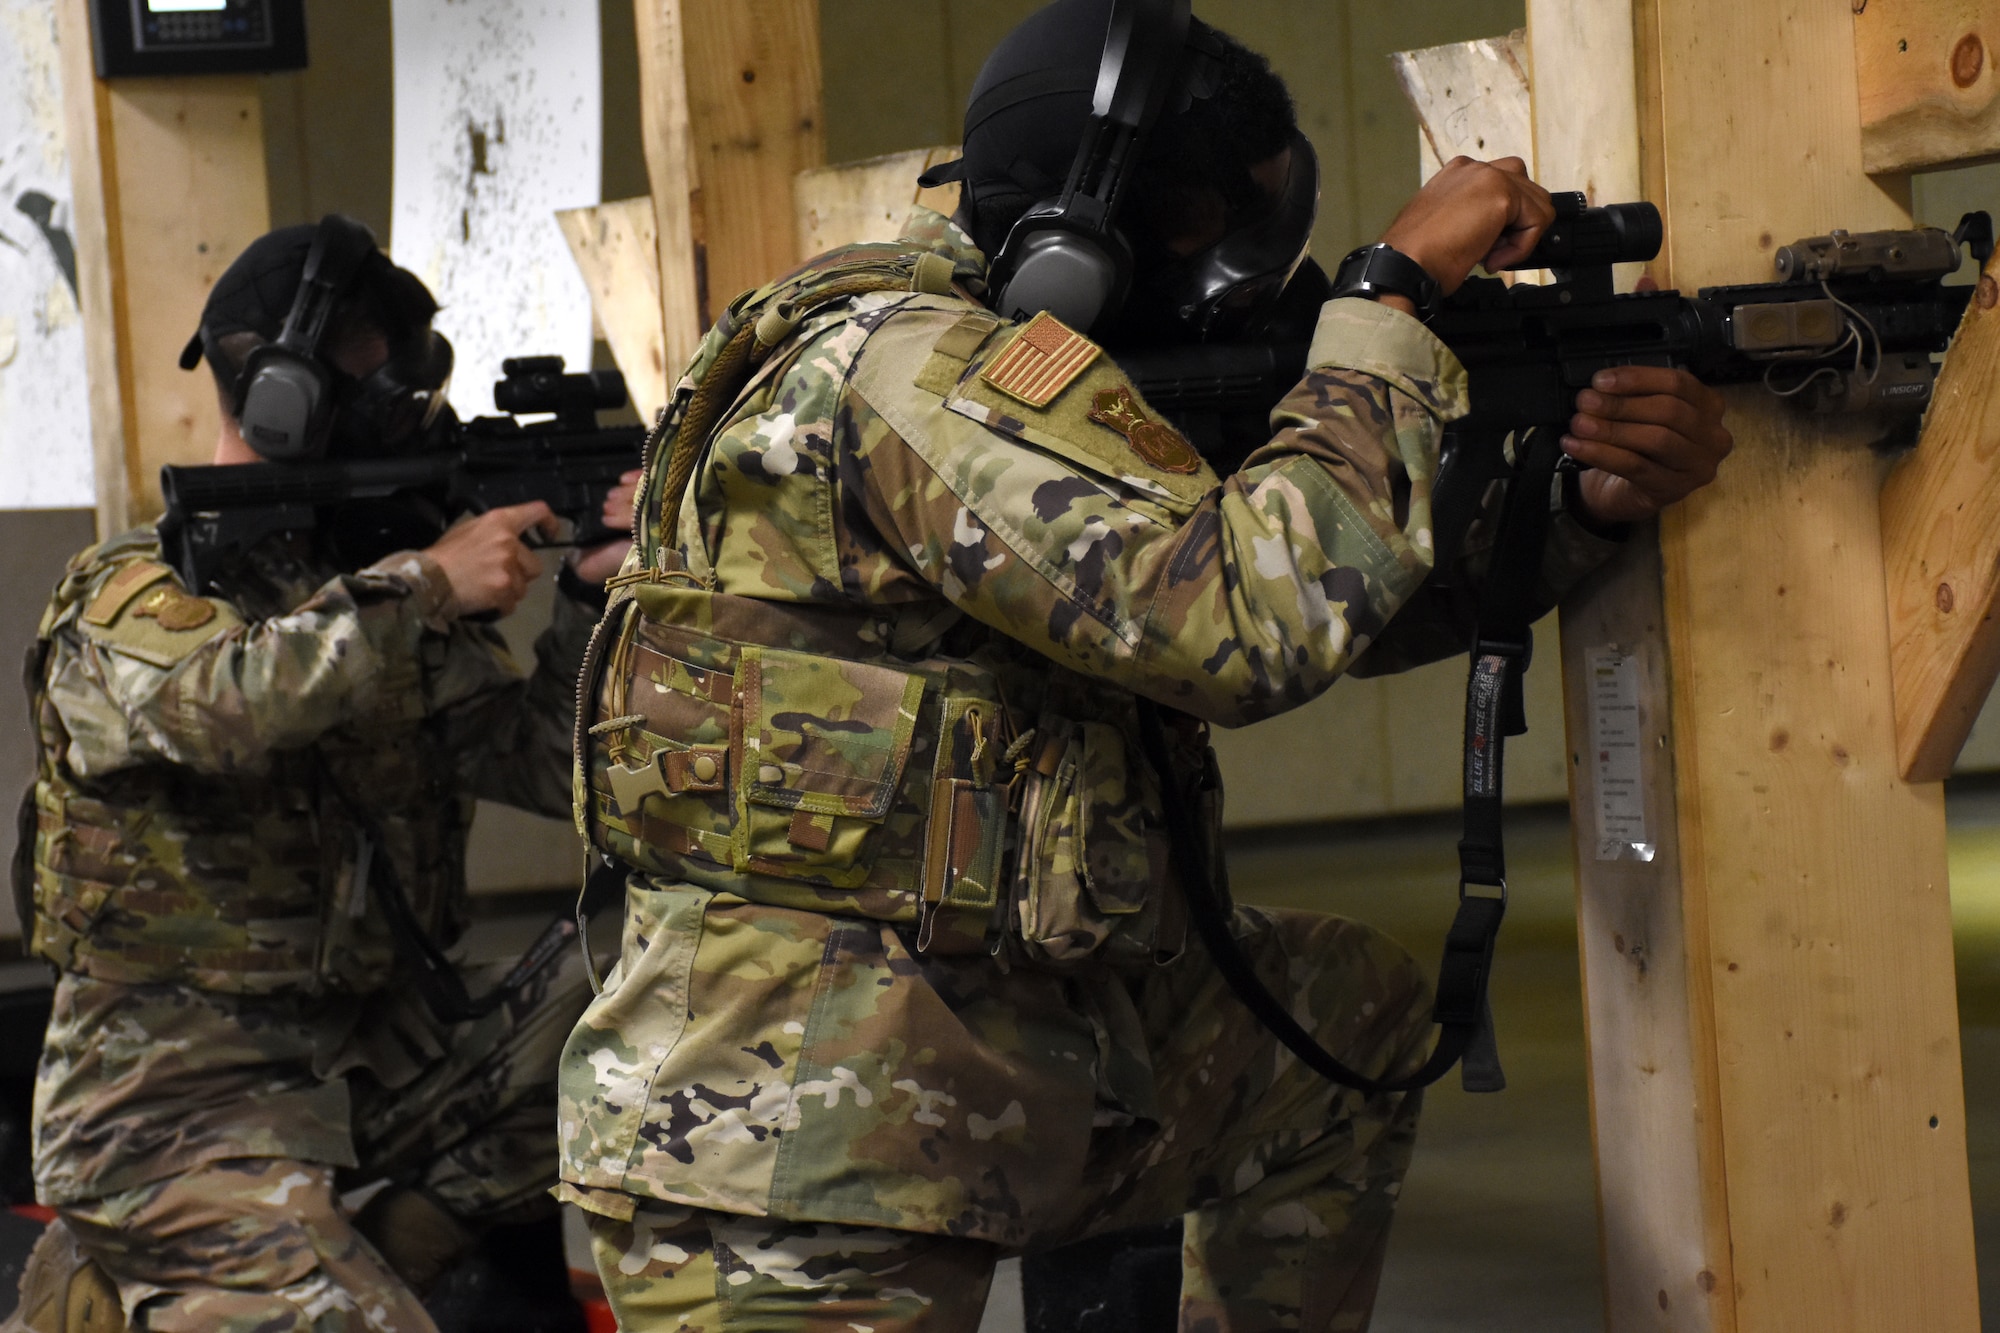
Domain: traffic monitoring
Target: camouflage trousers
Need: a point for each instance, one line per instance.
(1287, 1185)
(196, 1144)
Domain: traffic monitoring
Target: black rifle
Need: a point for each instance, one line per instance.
(369, 507)
(1851, 323)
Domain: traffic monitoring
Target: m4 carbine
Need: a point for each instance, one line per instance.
(1850, 323)
(369, 507)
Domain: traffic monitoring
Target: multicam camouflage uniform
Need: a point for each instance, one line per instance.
(903, 979)
(222, 781)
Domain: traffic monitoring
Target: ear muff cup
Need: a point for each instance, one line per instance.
(284, 395)
(285, 405)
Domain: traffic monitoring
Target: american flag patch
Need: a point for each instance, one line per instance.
(1044, 358)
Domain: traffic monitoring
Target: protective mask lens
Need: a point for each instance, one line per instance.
(1227, 290)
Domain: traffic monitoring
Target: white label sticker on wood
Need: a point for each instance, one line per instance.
(499, 123)
(45, 459)
(1619, 757)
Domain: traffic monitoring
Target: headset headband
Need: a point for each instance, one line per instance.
(1063, 255)
(340, 249)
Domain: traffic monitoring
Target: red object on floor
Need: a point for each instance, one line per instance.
(589, 1293)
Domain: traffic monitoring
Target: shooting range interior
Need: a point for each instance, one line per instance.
(1578, 1199)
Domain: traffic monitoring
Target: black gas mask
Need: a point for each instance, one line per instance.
(289, 400)
(1061, 123)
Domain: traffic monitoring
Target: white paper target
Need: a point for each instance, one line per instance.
(498, 125)
(45, 460)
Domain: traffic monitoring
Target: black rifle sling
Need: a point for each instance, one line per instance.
(1493, 711)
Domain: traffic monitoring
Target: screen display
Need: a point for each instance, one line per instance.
(198, 24)
(135, 38)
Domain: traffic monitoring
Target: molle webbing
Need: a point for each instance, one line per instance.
(747, 344)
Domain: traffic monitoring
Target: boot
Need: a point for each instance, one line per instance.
(64, 1291)
(414, 1233)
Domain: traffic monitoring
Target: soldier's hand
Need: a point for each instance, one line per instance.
(602, 561)
(1650, 436)
(1471, 213)
(487, 563)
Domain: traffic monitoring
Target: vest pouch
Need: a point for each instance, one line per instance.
(660, 773)
(966, 833)
(1086, 868)
(77, 868)
(824, 745)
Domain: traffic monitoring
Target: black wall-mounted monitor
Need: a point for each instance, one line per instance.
(139, 37)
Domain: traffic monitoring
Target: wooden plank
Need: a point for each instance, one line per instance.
(1814, 880)
(617, 247)
(1929, 94)
(170, 187)
(93, 195)
(1660, 1190)
(1471, 98)
(731, 110)
(1941, 541)
(1661, 1196)
(867, 200)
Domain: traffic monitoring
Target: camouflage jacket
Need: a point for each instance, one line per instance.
(219, 777)
(925, 563)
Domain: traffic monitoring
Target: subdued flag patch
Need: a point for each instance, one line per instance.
(1043, 359)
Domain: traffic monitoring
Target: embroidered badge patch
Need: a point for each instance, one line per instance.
(174, 609)
(121, 588)
(1045, 357)
(1155, 441)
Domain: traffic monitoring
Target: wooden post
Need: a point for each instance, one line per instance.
(169, 184)
(731, 110)
(1775, 1058)
(1661, 1192)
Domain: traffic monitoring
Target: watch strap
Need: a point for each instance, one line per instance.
(1383, 270)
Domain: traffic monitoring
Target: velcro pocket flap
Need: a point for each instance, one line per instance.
(823, 735)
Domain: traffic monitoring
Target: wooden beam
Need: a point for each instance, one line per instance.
(1661, 1193)
(731, 113)
(1929, 93)
(867, 200)
(1814, 901)
(169, 187)
(617, 247)
(1941, 545)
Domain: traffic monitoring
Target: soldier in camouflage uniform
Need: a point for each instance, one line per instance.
(226, 783)
(904, 982)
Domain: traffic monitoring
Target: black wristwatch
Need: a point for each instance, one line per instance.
(1383, 270)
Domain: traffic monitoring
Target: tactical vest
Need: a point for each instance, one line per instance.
(902, 764)
(249, 883)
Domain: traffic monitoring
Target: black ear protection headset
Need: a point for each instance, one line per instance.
(1066, 255)
(285, 393)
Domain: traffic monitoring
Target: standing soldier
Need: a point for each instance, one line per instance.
(250, 804)
(905, 980)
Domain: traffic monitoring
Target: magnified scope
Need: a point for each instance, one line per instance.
(539, 384)
(1585, 237)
